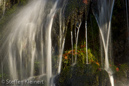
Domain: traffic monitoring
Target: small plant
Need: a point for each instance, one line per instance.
(81, 55)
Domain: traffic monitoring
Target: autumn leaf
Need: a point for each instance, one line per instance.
(66, 57)
(117, 69)
(97, 63)
(65, 54)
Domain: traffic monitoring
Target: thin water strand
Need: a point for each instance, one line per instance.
(105, 8)
(86, 42)
(49, 43)
(12, 63)
(32, 60)
(62, 49)
(72, 44)
(106, 45)
(60, 44)
(42, 55)
(78, 29)
(61, 37)
(62, 30)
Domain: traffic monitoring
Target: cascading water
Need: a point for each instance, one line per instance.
(86, 42)
(78, 29)
(49, 44)
(61, 38)
(28, 41)
(103, 17)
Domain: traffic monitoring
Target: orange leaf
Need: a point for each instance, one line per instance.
(66, 57)
(97, 63)
(117, 69)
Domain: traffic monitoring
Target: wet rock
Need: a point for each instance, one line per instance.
(83, 75)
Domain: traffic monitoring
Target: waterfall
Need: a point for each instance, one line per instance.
(61, 44)
(42, 67)
(27, 41)
(49, 43)
(21, 39)
(78, 29)
(62, 30)
(103, 17)
(86, 42)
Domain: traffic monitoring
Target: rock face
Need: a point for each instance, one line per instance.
(120, 33)
(76, 11)
(84, 75)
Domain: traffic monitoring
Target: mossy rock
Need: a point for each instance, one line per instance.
(82, 75)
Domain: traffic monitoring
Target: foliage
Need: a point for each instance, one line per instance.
(81, 72)
(123, 70)
(81, 55)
